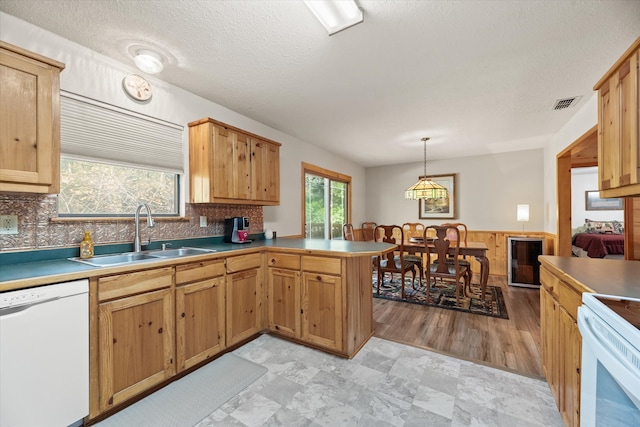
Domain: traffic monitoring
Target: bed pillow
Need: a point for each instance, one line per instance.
(614, 227)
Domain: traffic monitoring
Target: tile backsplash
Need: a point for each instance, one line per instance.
(37, 231)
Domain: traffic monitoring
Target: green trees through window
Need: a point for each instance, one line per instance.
(326, 205)
(100, 189)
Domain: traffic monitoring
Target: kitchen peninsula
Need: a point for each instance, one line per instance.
(154, 320)
(564, 280)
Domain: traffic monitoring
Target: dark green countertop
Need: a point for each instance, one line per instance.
(35, 268)
(603, 276)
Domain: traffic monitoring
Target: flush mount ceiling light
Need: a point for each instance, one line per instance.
(425, 188)
(148, 61)
(336, 15)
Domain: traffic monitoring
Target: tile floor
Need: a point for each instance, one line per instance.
(386, 384)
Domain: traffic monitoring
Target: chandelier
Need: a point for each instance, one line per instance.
(425, 188)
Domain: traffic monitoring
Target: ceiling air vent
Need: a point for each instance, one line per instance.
(561, 104)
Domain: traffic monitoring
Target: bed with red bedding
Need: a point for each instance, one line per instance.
(599, 245)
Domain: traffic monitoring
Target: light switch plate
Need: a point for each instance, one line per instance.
(8, 224)
(203, 221)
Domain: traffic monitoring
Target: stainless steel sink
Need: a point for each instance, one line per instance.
(115, 259)
(134, 257)
(180, 252)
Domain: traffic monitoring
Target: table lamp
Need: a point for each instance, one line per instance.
(523, 215)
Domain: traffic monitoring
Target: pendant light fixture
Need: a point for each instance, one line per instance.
(425, 188)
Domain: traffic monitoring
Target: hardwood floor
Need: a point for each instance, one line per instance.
(512, 344)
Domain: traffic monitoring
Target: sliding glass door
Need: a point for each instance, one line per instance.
(326, 203)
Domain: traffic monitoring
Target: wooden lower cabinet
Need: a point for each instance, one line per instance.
(561, 343)
(200, 312)
(148, 325)
(136, 345)
(283, 294)
(244, 288)
(284, 302)
(322, 301)
(322, 310)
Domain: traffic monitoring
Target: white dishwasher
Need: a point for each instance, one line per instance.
(44, 355)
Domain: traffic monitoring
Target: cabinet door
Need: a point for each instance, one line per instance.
(550, 340)
(322, 310)
(618, 133)
(571, 353)
(29, 124)
(284, 302)
(265, 171)
(222, 183)
(136, 340)
(244, 305)
(200, 315)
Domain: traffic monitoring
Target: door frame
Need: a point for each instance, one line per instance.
(325, 173)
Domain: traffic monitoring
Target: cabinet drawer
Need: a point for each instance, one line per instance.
(570, 300)
(199, 271)
(289, 261)
(243, 262)
(110, 287)
(550, 282)
(321, 264)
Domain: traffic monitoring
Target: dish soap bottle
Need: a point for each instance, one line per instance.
(86, 246)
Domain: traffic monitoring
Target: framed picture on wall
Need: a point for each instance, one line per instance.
(440, 208)
(593, 202)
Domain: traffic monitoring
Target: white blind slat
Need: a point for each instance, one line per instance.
(102, 132)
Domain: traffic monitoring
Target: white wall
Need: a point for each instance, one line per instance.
(93, 75)
(586, 179)
(489, 188)
(584, 119)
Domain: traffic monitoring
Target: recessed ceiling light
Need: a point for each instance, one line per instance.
(148, 61)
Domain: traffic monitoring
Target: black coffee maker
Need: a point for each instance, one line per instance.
(236, 229)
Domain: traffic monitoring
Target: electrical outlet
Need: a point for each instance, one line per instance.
(203, 221)
(8, 224)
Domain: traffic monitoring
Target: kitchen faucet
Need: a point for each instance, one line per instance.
(150, 224)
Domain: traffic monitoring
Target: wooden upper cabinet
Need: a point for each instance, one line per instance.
(618, 119)
(29, 121)
(229, 165)
(265, 167)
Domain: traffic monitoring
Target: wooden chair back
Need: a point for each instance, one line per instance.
(368, 229)
(347, 232)
(462, 231)
(412, 229)
(447, 251)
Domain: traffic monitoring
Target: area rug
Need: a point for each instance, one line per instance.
(441, 295)
(190, 399)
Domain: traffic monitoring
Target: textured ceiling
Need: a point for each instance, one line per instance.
(477, 77)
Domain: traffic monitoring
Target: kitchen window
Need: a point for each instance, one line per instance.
(327, 201)
(102, 189)
(112, 159)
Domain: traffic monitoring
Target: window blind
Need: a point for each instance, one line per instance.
(92, 130)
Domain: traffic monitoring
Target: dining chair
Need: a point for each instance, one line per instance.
(367, 231)
(347, 232)
(442, 268)
(462, 233)
(390, 262)
(413, 230)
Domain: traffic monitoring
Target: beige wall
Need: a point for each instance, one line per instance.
(489, 188)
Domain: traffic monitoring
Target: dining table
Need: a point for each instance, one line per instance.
(478, 250)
